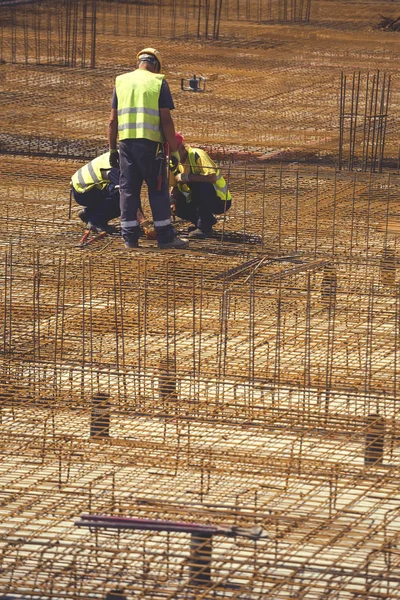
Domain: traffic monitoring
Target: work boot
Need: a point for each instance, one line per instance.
(131, 237)
(110, 229)
(93, 227)
(199, 234)
(93, 224)
(97, 226)
(176, 243)
(206, 223)
(131, 244)
(167, 238)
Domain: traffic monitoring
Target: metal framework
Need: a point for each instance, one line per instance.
(251, 383)
(65, 32)
(363, 121)
(219, 422)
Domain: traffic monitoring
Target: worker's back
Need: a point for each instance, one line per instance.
(94, 173)
(138, 95)
(202, 164)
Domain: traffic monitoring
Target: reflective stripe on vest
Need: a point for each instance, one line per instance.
(220, 185)
(182, 187)
(91, 174)
(138, 94)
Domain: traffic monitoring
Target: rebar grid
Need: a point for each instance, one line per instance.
(285, 332)
(276, 210)
(352, 14)
(364, 108)
(66, 32)
(328, 527)
(291, 102)
(241, 381)
(250, 381)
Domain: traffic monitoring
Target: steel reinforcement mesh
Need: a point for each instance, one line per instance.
(249, 384)
(269, 87)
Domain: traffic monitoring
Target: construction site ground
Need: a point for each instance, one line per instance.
(248, 376)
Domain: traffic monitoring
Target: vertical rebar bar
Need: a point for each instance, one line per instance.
(6, 258)
(374, 439)
(199, 18)
(277, 364)
(280, 207)
(396, 339)
(245, 178)
(84, 31)
(296, 220)
(93, 35)
(342, 103)
(200, 558)
(100, 416)
(263, 212)
(13, 18)
(316, 212)
(74, 42)
(307, 336)
(370, 104)
(334, 208)
(355, 117)
(375, 123)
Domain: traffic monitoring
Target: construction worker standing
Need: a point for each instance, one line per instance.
(200, 191)
(141, 118)
(95, 186)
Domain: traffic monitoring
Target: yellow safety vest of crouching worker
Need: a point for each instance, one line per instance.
(201, 164)
(95, 173)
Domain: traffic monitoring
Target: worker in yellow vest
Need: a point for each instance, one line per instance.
(199, 191)
(95, 186)
(141, 119)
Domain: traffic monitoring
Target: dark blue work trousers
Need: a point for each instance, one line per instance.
(140, 161)
(203, 206)
(100, 205)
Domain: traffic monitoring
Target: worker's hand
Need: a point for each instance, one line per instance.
(114, 159)
(182, 178)
(173, 162)
(175, 157)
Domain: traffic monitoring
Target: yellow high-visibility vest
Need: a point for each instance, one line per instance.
(203, 165)
(92, 174)
(138, 93)
(182, 187)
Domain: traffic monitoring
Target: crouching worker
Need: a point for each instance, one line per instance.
(95, 186)
(199, 191)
